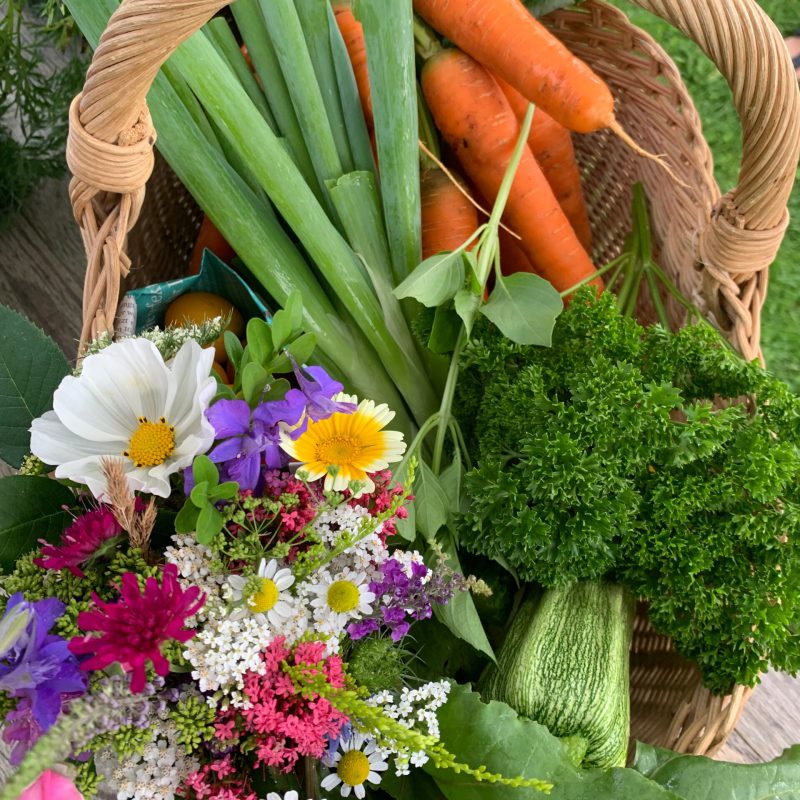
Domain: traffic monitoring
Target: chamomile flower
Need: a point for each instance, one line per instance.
(346, 447)
(129, 404)
(340, 597)
(358, 763)
(265, 594)
(292, 795)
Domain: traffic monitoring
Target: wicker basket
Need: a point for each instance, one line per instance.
(715, 248)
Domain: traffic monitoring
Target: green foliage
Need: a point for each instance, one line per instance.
(31, 367)
(603, 457)
(200, 513)
(36, 583)
(376, 663)
(194, 719)
(34, 98)
(31, 508)
(700, 778)
(493, 735)
(86, 779)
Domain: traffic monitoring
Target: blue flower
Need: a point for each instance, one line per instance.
(35, 665)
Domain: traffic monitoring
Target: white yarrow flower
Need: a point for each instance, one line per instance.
(359, 762)
(129, 404)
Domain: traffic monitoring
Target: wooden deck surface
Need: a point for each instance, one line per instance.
(41, 275)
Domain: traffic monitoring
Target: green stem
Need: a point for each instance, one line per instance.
(655, 295)
(458, 436)
(426, 41)
(602, 271)
(447, 402)
(416, 443)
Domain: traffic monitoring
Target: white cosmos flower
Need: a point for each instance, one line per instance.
(269, 602)
(129, 405)
(359, 762)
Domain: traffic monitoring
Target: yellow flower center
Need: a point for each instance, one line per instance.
(265, 598)
(337, 450)
(353, 768)
(343, 596)
(152, 443)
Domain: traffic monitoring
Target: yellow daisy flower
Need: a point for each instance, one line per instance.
(346, 447)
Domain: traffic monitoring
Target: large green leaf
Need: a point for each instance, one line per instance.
(494, 736)
(31, 367)
(460, 614)
(698, 778)
(524, 307)
(31, 508)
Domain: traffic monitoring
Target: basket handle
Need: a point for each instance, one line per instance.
(109, 149)
(747, 225)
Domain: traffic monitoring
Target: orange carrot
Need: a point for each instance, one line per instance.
(508, 40)
(478, 123)
(551, 145)
(353, 35)
(512, 256)
(209, 237)
(448, 217)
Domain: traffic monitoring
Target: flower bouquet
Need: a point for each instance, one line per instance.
(271, 633)
(271, 592)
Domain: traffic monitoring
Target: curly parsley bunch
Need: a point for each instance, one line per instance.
(660, 460)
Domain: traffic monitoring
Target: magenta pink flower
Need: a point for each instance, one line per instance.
(51, 786)
(80, 541)
(134, 628)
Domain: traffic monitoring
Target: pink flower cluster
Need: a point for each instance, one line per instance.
(219, 780)
(280, 724)
(381, 500)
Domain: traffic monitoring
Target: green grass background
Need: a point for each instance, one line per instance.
(781, 318)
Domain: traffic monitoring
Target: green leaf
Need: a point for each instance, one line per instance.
(204, 469)
(209, 524)
(302, 348)
(460, 614)
(407, 528)
(524, 307)
(277, 390)
(225, 491)
(186, 519)
(281, 329)
(450, 480)
(467, 304)
(445, 331)
(199, 495)
(494, 735)
(31, 508)
(699, 778)
(430, 502)
(259, 341)
(234, 349)
(31, 367)
(294, 308)
(435, 280)
(254, 379)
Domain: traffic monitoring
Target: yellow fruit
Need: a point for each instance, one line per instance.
(197, 307)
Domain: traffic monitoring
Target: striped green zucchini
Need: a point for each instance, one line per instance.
(564, 664)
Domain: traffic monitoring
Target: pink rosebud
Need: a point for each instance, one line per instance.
(51, 786)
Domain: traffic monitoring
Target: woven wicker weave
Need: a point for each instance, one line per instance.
(716, 248)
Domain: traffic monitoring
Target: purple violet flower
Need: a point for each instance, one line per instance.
(250, 439)
(319, 393)
(36, 667)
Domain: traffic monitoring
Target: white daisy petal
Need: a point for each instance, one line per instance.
(331, 781)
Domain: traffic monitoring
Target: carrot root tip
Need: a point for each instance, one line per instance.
(661, 159)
